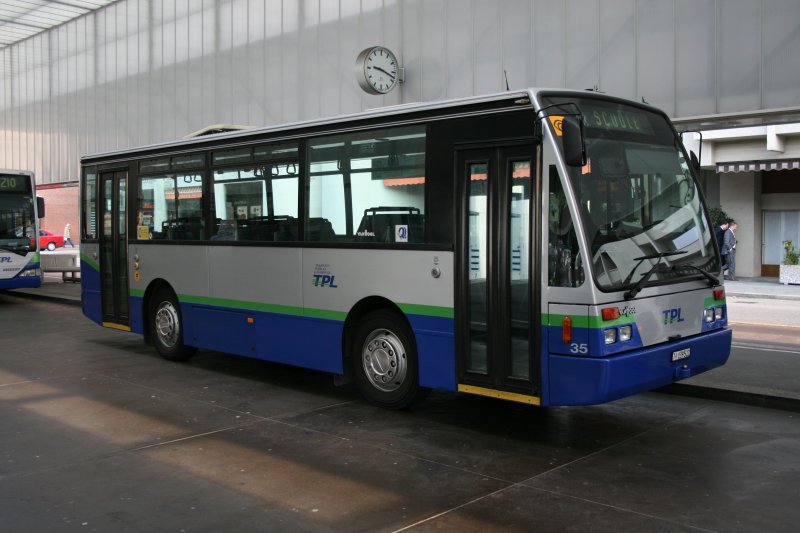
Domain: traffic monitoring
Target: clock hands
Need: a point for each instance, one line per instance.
(390, 75)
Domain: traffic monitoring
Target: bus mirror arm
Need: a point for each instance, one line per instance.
(695, 161)
(574, 141)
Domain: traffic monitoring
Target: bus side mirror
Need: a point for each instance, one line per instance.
(574, 143)
(40, 206)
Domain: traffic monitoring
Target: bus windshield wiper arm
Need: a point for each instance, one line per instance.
(639, 284)
(712, 281)
(18, 251)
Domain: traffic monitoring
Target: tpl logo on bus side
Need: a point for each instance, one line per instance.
(672, 315)
(324, 280)
(5, 259)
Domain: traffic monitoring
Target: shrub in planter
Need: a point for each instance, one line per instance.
(790, 269)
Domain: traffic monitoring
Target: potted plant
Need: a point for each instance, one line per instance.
(790, 269)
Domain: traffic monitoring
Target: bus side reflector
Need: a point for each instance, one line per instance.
(566, 330)
(610, 313)
(719, 294)
(251, 320)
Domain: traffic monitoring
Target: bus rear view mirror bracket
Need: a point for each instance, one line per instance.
(574, 141)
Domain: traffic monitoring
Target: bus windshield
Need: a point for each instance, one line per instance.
(17, 228)
(638, 202)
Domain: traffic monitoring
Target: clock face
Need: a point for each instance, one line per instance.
(380, 70)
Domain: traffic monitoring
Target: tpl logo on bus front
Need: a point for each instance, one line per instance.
(672, 316)
(6, 259)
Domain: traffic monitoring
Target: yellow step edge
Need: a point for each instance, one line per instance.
(503, 395)
(116, 326)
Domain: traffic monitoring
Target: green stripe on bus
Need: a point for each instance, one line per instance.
(264, 307)
(242, 304)
(711, 302)
(427, 310)
(85, 259)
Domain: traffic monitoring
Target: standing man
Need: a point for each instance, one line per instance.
(68, 235)
(719, 234)
(729, 246)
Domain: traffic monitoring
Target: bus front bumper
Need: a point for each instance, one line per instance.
(578, 380)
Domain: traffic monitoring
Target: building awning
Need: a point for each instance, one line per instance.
(758, 166)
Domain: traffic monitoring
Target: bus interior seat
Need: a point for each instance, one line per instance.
(275, 228)
(182, 229)
(378, 224)
(320, 229)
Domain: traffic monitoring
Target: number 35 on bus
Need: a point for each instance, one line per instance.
(547, 247)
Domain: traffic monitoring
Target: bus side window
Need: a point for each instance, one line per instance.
(565, 266)
(89, 192)
(170, 207)
(350, 174)
(246, 199)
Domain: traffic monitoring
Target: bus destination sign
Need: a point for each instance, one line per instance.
(10, 183)
(621, 120)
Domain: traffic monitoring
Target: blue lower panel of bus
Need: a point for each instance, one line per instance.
(576, 380)
(21, 282)
(90, 293)
(304, 341)
(436, 346)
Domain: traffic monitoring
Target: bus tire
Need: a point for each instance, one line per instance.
(166, 322)
(385, 360)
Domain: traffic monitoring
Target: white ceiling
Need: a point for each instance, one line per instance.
(20, 19)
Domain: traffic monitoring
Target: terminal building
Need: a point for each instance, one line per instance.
(82, 77)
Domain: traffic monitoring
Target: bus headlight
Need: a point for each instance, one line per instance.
(610, 335)
(719, 313)
(31, 273)
(624, 333)
(709, 315)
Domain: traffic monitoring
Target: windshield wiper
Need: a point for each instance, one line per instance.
(19, 251)
(712, 281)
(639, 284)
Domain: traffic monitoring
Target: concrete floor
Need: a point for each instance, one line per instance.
(100, 434)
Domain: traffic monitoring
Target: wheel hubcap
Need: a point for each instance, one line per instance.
(167, 324)
(384, 360)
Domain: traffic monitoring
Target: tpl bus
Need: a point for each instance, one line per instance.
(548, 247)
(20, 211)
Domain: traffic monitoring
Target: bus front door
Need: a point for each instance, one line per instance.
(498, 343)
(114, 250)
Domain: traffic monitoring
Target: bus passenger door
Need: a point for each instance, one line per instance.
(497, 332)
(114, 249)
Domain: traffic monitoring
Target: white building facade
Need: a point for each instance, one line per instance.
(143, 71)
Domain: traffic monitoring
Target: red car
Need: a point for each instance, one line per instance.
(50, 240)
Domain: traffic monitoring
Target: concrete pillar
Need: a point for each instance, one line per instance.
(740, 197)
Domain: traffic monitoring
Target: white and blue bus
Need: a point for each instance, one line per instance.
(20, 211)
(548, 247)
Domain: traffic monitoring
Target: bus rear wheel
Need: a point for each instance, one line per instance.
(385, 365)
(167, 327)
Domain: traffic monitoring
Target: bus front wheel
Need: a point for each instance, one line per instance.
(167, 327)
(385, 365)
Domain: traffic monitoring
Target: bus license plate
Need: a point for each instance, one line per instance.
(677, 355)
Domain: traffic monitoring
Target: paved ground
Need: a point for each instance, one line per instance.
(100, 434)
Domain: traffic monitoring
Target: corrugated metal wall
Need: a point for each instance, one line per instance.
(143, 71)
